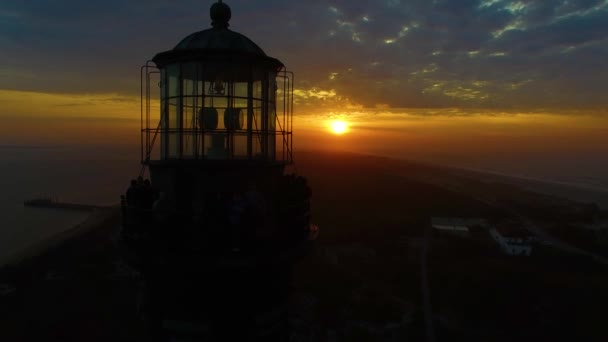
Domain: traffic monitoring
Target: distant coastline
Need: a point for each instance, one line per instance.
(94, 220)
(600, 187)
(22, 147)
(575, 191)
(53, 203)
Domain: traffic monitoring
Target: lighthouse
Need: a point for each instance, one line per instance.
(219, 227)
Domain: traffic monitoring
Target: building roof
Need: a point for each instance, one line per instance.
(219, 39)
(455, 223)
(217, 43)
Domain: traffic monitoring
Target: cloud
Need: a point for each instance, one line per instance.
(417, 53)
(52, 106)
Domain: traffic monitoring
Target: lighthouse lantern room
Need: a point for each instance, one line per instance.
(223, 102)
(222, 98)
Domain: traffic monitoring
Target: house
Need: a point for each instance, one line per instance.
(513, 239)
(455, 226)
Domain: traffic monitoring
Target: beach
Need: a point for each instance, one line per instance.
(72, 286)
(97, 219)
(65, 173)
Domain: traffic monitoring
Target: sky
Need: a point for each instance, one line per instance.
(451, 79)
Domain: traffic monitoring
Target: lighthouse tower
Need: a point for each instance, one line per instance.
(218, 228)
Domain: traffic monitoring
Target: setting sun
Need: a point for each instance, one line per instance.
(338, 126)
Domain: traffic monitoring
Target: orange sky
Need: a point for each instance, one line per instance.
(38, 118)
(74, 75)
(418, 134)
(449, 135)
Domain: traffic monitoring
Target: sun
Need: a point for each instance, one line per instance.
(338, 127)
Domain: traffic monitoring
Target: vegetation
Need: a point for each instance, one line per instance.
(362, 283)
(477, 292)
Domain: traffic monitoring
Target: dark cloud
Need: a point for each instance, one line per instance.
(504, 53)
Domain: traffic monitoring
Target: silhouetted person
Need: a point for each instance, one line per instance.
(132, 193)
(137, 193)
(123, 208)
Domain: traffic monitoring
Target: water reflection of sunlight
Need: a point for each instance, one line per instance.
(338, 127)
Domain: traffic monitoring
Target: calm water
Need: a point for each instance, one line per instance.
(27, 173)
(98, 175)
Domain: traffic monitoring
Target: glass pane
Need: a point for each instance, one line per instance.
(189, 144)
(272, 115)
(271, 132)
(173, 126)
(215, 144)
(272, 87)
(171, 137)
(257, 146)
(257, 89)
(164, 110)
(240, 103)
(189, 117)
(220, 103)
(173, 78)
(256, 121)
(191, 71)
(240, 89)
(240, 146)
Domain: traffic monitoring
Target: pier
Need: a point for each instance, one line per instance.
(51, 203)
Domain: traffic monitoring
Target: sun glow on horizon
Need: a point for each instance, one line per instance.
(338, 127)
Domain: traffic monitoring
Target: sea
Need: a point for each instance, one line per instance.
(100, 174)
(89, 175)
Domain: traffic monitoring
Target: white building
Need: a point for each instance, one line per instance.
(512, 241)
(455, 226)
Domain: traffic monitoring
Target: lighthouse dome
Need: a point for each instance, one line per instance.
(219, 37)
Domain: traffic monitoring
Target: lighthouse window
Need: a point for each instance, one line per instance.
(173, 113)
(190, 109)
(163, 111)
(271, 131)
(272, 118)
(250, 115)
(240, 146)
(240, 90)
(173, 134)
(173, 80)
(257, 89)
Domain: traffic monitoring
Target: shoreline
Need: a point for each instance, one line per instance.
(96, 219)
(565, 190)
(578, 192)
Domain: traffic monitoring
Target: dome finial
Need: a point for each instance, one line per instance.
(220, 15)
